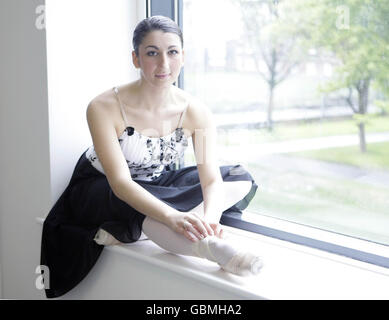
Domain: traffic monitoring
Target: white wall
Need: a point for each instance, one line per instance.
(44, 95)
(89, 51)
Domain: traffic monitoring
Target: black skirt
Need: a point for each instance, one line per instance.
(68, 248)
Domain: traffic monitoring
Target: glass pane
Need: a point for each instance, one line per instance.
(300, 94)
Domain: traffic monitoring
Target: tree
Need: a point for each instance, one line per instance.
(356, 32)
(273, 41)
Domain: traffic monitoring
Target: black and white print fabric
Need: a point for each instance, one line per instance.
(146, 156)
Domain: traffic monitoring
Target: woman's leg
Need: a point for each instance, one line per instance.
(163, 236)
(176, 243)
(228, 256)
(234, 192)
(211, 248)
(166, 238)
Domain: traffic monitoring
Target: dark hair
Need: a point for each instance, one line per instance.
(147, 25)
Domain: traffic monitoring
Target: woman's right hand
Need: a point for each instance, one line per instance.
(189, 224)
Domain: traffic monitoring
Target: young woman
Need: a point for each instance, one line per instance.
(124, 188)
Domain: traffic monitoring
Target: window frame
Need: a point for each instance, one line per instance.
(174, 10)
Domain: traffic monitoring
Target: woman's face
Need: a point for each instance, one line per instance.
(160, 58)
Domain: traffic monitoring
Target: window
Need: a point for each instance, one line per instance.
(300, 94)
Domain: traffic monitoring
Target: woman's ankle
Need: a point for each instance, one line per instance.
(214, 249)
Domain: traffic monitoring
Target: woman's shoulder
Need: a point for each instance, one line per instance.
(194, 105)
(104, 100)
(104, 106)
(197, 111)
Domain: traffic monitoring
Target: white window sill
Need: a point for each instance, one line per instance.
(317, 234)
(290, 271)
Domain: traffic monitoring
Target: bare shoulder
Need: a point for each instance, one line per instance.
(198, 114)
(104, 106)
(103, 101)
(101, 117)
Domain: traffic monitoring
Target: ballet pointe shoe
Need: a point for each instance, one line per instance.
(243, 264)
(104, 238)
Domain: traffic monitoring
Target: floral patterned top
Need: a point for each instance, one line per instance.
(146, 156)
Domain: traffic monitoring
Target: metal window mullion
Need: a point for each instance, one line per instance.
(174, 10)
(235, 220)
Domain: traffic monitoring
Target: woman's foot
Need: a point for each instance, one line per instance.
(104, 238)
(230, 258)
(243, 264)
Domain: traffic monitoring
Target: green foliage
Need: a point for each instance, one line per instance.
(383, 105)
(354, 32)
(363, 118)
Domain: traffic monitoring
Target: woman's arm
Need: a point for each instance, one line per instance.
(205, 148)
(107, 147)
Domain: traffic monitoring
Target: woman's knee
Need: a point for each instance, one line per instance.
(234, 191)
(237, 189)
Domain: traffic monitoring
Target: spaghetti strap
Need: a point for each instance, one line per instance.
(182, 117)
(116, 90)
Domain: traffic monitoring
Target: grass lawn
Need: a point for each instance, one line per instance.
(376, 157)
(339, 205)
